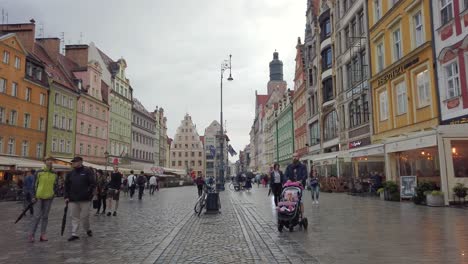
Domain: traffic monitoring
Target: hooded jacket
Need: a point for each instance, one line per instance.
(45, 184)
(79, 185)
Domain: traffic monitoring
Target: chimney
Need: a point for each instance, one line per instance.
(78, 54)
(25, 32)
(52, 47)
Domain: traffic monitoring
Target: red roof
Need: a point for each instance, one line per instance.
(262, 99)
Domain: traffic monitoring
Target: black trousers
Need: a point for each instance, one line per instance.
(141, 189)
(200, 190)
(276, 189)
(152, 189)
(132, 190)
(102, 201)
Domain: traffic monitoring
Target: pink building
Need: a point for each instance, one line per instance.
(92, 108)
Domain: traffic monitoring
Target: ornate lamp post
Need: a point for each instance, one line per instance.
(226, 65)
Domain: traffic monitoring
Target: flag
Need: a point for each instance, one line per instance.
(231, 151)
(212, 150)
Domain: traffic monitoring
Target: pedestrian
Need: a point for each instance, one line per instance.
(314, 186)
(28, 190)
(296, 170)
(80, 185)
(102, 188)
(200, 183)
(113, 192)
(125, 186)
(141, 181)
(157, 183)
(276, 182)
(131, 184)
(152, 183)
(44, 188)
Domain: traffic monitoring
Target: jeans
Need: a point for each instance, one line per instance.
(132, 191)
(102, 201)
(141, 189)
(41, 214)
(27, 200)
(315, 192)
(79, 212)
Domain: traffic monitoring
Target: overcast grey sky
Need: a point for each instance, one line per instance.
(174, 49)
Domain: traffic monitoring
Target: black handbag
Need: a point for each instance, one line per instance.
(95, 204)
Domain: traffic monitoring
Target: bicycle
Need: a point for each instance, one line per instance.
(201, 201)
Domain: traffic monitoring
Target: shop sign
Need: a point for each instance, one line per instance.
(456, 121)
(355, 144)
(408, 185)
(395, 72)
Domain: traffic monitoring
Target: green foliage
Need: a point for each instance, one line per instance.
(420, 191)
(436, 193)
(391, 187)
(460, 190)
(380, 190)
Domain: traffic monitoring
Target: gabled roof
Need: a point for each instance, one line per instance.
(141, 108)
(13, 35)
(111, 65)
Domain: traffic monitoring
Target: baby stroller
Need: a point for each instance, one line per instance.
(289, 209)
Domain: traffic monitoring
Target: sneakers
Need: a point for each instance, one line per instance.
(31, 238)
(103, 213)
(115, 213)
(73, 238)
(89, 233)
(108, 213)
(43, 238)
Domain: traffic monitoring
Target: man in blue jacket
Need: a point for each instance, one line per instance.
(296, 170)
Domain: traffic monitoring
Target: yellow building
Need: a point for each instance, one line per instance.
(405, 100)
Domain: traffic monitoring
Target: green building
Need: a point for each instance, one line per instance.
(284, 135)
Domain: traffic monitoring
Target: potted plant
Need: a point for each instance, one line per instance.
(460, 190)
(381, 192)
(435, 198)
(421, 189)
(391, 191)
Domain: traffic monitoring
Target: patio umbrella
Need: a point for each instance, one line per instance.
(24, 211)
(64, 219)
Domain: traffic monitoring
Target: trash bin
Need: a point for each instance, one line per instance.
(212, 202)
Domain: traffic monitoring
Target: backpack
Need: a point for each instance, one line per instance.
(140, 180)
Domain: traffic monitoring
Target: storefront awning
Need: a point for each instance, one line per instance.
(87, 164)
(413, 141)
(25, 164)
(372, 150)
(325, 158)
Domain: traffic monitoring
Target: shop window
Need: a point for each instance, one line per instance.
(459, 150)
(423, 163)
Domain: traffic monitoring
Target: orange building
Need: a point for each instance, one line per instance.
(23, 100)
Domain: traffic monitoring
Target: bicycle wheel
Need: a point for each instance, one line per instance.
(202, 204)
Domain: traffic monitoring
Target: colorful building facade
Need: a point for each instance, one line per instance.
(299, 103)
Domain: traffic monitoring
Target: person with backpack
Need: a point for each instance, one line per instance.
(131, 179)
(314, 186)
(141, 181)
(43, 193)
(113, 192)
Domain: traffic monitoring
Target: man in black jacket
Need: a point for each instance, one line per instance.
(113, 192)
(141, 180)
(79, 190)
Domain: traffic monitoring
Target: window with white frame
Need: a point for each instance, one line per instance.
(41, 125)
(11, 147)
(14, 89)
(422, 81)
(13, 117)
(3, 84)
(63, 123)
(453, 80)
(54, 145)
(397, 52)
(2, 115)
(27, 120)
(25, 148)
(39, 150)
(70, 103)
(88, 150)
(17, 62)
(418, 29)
(28, 94)
(55, 122)
(70, 124)
(380, 57)
(446, 11)
(377, 10)
(62, 146)
(42, 99)
(401, 98)
(68, 147)
(6, 57)
(81, 148)
(383, 106)
(1, 144)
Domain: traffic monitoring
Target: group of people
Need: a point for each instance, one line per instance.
(81, 186)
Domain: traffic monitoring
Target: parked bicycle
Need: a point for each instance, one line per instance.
(201, 201)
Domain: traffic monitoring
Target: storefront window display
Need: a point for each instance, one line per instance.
(422, 163)
(367, 168)
(460, 158)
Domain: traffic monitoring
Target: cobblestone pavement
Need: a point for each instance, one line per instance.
(164, 229)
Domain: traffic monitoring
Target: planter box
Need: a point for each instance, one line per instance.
(435, 200)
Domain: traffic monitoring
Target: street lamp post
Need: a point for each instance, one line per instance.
(226, 65)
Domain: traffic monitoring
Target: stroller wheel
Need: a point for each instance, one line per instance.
(305, 223)
(280, 227)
